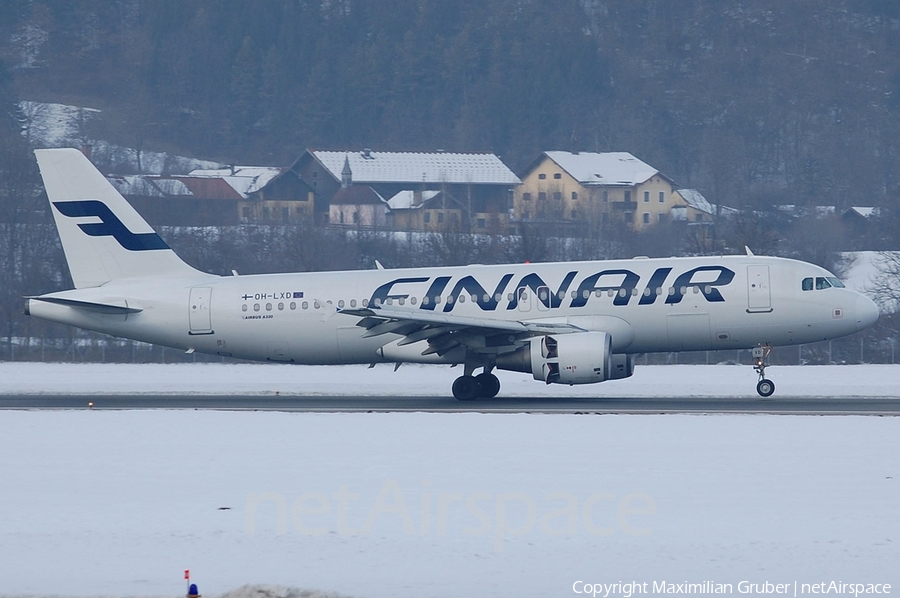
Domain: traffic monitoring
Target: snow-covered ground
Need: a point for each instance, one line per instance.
(415, 504)
(424, 380)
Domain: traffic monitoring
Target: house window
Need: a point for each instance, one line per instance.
(427, 217)
(542, 176)
(285, 214)
(265, 213)
(646, 197)
(647, 217)
(481, 223)
(245, 212)
(574, 214)
(557, 195)
(574, 194)
(355, 217)
(315, 174)
(526, 197)
(526, 215)
(662, 197)
(629, 217)
(661, 217)
(628, 196)
(699, 217)
(605, 196)
(341, 217)
(440, 217)
(542, 196)
(557, 176)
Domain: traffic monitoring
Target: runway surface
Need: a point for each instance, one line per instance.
(386, 404)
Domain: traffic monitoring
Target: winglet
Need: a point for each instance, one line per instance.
(747, 249)
(378, 265)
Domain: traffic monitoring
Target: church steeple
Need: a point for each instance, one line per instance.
(346, 174)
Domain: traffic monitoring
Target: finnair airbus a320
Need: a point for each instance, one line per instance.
(564, 323)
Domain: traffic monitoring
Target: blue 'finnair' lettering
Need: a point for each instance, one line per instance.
(621, 283)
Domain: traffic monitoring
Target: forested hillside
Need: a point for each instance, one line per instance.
(751, 102)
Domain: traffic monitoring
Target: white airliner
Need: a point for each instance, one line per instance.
(564, 323)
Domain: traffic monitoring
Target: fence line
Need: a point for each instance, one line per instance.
(87, 347)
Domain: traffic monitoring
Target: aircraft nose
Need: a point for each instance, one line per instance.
(866, 312)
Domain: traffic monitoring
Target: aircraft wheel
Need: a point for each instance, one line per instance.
(465, 388)
(765, 388)
(488, 385)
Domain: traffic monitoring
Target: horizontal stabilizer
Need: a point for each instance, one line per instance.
(119, 308)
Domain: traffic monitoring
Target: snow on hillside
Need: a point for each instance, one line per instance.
(48, 125)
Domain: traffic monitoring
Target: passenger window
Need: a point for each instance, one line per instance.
(807, 284)
(821, 283)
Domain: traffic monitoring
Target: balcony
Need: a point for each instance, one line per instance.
(624, 205)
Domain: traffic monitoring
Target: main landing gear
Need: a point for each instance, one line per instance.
(764, 387)
(483, 386)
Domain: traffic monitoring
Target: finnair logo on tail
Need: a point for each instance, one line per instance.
(109, 225)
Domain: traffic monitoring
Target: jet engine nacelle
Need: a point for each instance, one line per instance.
(580, 358)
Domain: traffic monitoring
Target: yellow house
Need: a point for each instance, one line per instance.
(594, 188)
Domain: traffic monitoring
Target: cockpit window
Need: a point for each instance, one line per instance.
(822, 283)
(807, 284)
(835, 282)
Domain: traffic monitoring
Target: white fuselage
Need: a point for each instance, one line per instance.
(646, 305)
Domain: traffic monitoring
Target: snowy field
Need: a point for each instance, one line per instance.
(424, 380)
(119, 503)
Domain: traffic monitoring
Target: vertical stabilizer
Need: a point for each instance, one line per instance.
(103, 237)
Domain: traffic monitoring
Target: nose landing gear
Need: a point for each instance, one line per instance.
(764, 387)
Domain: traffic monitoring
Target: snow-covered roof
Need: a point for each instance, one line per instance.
(243, 179)
(148, 186)
(865, 212)
(695, 199)
(606, 169)
(370, 167)
(405, 200)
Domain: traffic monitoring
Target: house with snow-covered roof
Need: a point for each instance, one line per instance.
(238, 194)
(594, 188)
(473, 189)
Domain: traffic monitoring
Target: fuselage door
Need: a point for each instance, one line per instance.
(523, 298)
(759, 296)
(198, 306)
(544, 298)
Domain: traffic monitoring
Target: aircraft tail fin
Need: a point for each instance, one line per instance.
(103, 237)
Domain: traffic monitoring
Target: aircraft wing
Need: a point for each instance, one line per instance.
(444, 332)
